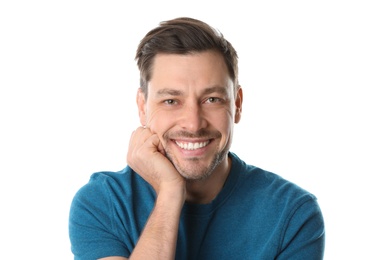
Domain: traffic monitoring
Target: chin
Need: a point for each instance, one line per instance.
(198, 171)
(193, 177)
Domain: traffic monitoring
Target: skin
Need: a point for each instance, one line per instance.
(181, 150)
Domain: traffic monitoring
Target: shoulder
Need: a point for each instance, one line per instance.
(268, 187)
(287, 207)
(106, 183)
(102, 209)
(105, 192)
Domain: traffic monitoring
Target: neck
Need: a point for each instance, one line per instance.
(205, 190)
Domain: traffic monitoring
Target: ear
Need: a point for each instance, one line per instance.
(141, 103)
(238, 103)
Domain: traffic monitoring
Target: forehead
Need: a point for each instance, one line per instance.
(200, 69)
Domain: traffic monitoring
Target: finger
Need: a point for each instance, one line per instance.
(160, 147)
(139, 135)
(137, 140)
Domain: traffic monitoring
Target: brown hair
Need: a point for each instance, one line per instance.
(182, 36)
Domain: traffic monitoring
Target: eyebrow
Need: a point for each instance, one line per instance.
(216, 89)
(174, 92)
(168, 92)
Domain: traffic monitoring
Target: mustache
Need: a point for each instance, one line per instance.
(201, 134)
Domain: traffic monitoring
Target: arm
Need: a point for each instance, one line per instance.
(146, 157)
(158, 239)
(91, 228)
(305, 234)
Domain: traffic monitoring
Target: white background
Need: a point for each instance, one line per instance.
(315, 76)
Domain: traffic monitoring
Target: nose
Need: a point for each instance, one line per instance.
(193, 118)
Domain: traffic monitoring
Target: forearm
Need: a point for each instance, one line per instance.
(159, 237)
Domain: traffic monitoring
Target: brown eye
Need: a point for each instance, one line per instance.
(213, 100)
(170, 102)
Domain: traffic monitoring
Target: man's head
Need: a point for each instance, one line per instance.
(189, 95)
(183, 36)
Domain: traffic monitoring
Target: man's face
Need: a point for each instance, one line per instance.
(192, 107)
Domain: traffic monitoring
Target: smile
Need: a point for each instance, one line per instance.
(192, 146)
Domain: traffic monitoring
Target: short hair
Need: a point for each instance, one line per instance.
(183, 35)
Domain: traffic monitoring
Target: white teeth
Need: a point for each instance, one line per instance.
(192, 146)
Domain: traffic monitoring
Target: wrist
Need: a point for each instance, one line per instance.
(172, 192)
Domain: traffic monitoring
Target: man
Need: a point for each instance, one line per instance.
(184, 195)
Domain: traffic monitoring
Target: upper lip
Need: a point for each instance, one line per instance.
(192, 144)
(191, 140)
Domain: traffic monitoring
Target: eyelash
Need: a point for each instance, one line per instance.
(215, 99)
(210, 100)
(170, 102)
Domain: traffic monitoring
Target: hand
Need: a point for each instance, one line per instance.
(146, 156)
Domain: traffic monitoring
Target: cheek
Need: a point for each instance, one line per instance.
(159, 121)
(223, 122)
(225, 117)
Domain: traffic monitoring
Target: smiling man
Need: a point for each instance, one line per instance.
(184, 195)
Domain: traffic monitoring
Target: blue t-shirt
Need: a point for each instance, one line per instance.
(257, 215)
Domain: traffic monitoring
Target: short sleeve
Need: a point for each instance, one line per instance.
(304, 236)
(91, 230)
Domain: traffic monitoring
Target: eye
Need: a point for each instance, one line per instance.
(170, 102)
(213, 100)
